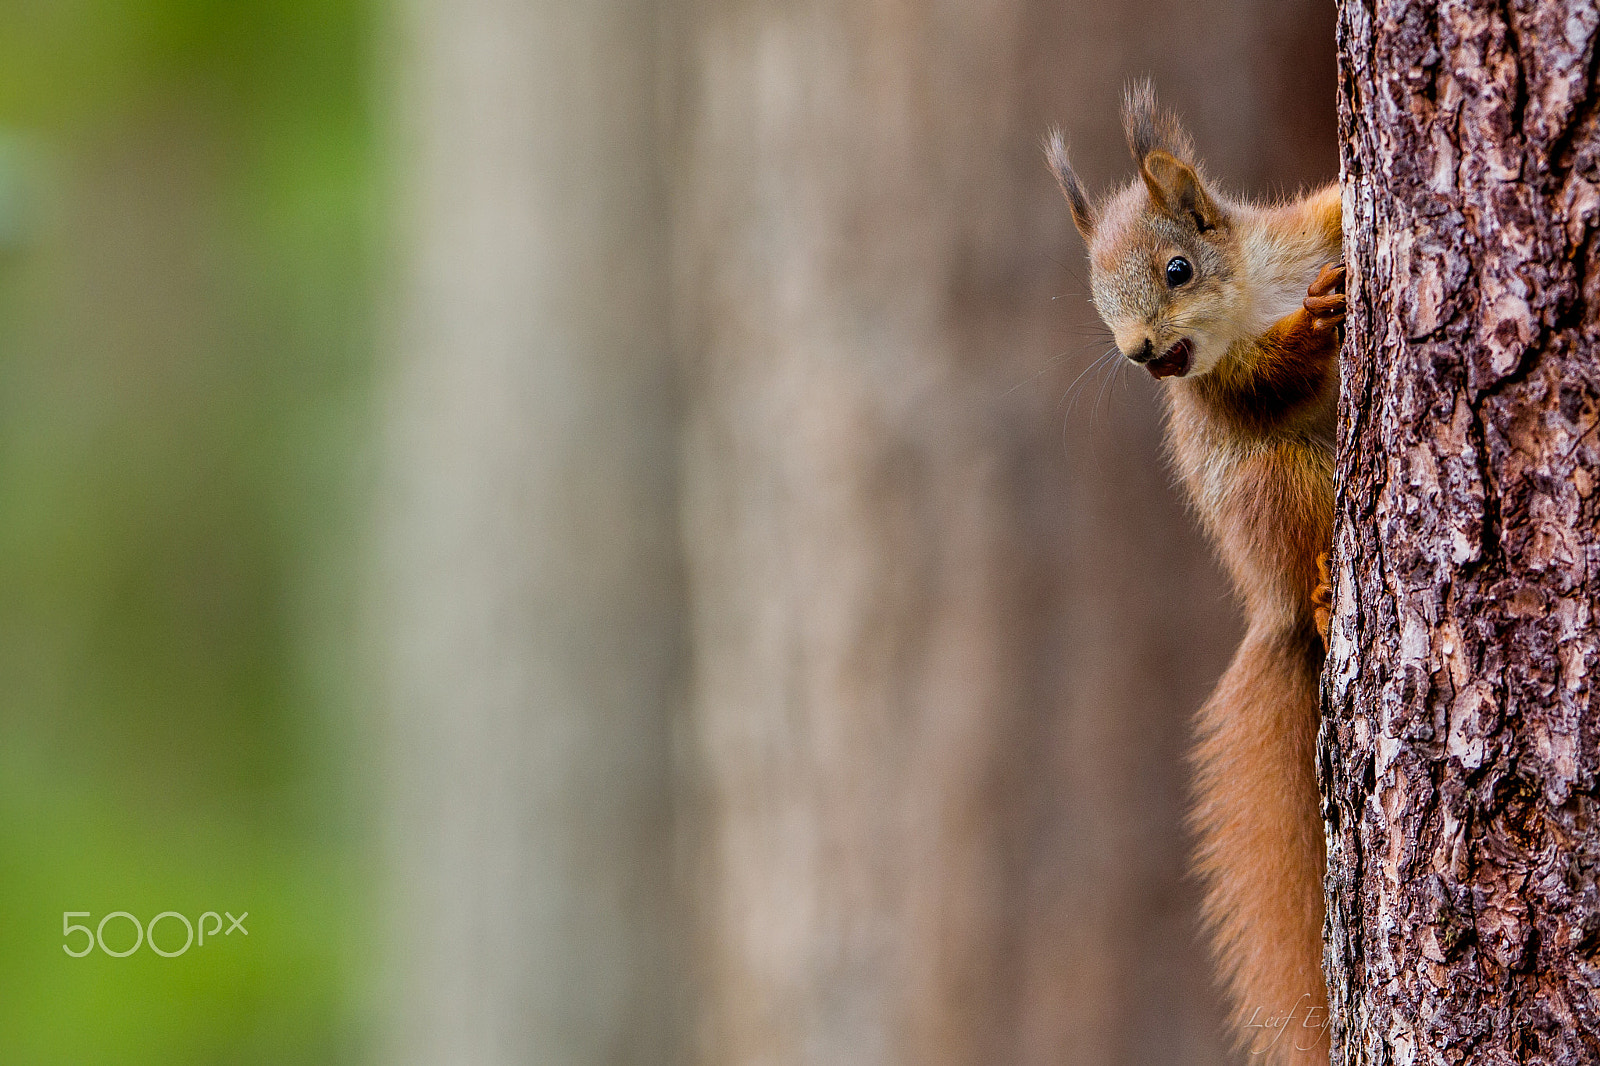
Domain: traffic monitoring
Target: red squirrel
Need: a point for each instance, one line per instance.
(1236, 307)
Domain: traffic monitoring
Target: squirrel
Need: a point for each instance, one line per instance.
(1237, 307)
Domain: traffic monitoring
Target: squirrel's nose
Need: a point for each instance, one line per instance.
(1142, 355)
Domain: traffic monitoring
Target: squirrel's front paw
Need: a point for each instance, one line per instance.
(1325, 298)
(1322, 600)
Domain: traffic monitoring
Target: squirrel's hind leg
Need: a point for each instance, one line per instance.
(1322, 599)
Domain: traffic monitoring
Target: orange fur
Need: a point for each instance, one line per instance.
(1250, 431)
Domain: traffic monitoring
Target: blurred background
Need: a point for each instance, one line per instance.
(597, 524)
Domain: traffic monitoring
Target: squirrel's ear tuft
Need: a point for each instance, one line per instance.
(1151, 129)
(1055, 152)
(1176, 188)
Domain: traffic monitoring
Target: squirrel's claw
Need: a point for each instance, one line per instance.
(1322, 600)
(1329, 279)
(1325, 297)
(1325, 311)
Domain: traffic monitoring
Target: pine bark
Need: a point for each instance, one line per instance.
(1460, 743)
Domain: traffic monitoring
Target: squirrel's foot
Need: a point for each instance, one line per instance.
(1325, 298)
(1322, 600)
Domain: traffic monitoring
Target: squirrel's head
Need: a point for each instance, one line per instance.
(1162, 250)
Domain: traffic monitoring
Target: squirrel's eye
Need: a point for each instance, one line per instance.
(1178, 271)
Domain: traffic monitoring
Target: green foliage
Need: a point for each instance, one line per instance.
(188, 195)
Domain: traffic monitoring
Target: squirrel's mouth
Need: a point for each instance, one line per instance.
(1175, 363)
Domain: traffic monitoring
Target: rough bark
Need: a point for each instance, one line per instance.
(1460, 741)
(949, 627)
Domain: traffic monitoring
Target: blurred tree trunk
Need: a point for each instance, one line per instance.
(1460, 744)
(532, 601)
(949, 623)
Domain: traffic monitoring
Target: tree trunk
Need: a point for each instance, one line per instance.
(531, 611)
(1460, 741)
(949, 623)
